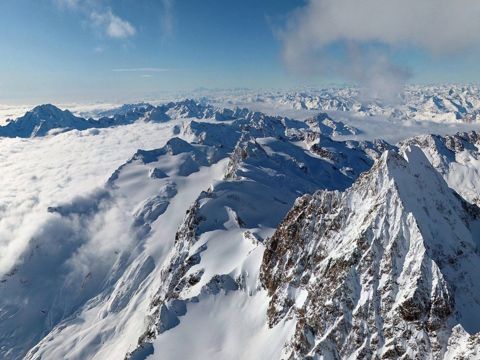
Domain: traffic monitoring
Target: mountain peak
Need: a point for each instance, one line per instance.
(396, 249)
(41, 120)
(46, 108)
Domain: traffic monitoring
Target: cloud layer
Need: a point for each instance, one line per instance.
(38, 174)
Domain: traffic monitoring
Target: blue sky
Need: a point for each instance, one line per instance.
(66, 50)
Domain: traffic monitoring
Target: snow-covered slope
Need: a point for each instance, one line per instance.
(457, 158)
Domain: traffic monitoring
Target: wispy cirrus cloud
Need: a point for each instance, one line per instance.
(167, 17)
(101, 18)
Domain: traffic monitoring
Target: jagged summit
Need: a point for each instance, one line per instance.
(48, 119)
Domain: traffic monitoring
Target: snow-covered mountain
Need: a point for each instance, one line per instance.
(383, 270)
(438, 104)
(252, 236)
(49, 119)
(41, 120)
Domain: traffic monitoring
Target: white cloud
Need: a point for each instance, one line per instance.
(101, 18)
(112, 25)
(12, 112)
(436, 26)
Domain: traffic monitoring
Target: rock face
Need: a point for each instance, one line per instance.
(383, 270)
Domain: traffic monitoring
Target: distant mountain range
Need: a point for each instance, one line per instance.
(48, 119)
(441, 104)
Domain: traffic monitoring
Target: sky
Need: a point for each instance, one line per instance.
(106, 50)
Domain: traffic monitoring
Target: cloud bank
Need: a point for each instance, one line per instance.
(38, 174)
(438, 27)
